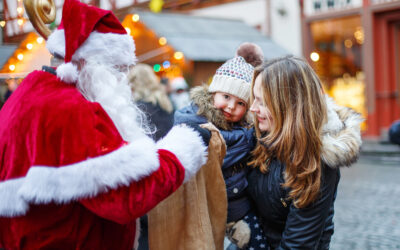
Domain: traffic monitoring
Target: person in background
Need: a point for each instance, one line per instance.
(225, 104)
(179, 92)
(164, 81)
(394, 132)
(152, 99)
(12, 85)
(303, 139)
(77, 165)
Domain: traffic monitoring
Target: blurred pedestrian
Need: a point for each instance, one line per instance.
(77, 168)
(12, 85)
(152, 98)
(394, 132)
(179, 92)
(225, 104)
(303, 139)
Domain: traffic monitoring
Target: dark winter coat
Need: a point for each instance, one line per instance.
(160, 120)
(288, 227)
(394, 132)
(239, 141)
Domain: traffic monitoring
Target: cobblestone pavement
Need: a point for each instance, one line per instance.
(367, 208)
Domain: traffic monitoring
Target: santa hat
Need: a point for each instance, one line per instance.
(89, 32)
(235, 75)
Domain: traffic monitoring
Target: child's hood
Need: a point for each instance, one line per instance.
(204, 101)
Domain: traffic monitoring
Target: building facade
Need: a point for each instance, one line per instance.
(354, 45)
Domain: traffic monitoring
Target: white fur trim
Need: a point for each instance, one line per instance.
(56, 43)
(11, 203)
(116, 49)
(341, 136)
(188, 147)
(334, 123)
(67, 72)
(88, 178)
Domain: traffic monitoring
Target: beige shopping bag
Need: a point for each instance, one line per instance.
(194, 217)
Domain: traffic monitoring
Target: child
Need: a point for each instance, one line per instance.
(225, 103)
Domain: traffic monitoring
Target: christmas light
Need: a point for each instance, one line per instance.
(166, 64)
(348, 43)
(20, 10)
(157, 67)
(2, 23)
(20, 56)
(20, 22)
(11, 67)
(178, 55)
(135, 18)
(314, 56)
(29, 46)
(162, 41)
(156, 5)
(39, 40)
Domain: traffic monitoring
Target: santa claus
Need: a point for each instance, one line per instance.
(77, 168)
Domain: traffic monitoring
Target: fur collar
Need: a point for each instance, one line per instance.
(341, 137)
(204, 100)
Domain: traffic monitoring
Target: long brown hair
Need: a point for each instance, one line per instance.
(294, 96)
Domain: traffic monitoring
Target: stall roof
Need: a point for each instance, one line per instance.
(208, 39)
(5, 52)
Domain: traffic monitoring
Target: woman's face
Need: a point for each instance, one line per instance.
(262, 112)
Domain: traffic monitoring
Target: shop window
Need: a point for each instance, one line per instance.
(337, 59)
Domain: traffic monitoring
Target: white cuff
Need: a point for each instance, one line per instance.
(188, 147)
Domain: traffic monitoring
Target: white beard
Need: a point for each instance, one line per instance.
(108, 86)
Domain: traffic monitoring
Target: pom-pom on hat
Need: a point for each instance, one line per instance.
(235, 75)
(89, 32)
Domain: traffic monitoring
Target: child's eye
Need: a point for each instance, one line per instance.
(242, 104)
(226, 96)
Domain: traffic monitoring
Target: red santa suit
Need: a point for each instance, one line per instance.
(68, 180)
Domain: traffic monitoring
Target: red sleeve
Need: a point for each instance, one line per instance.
(128, 203)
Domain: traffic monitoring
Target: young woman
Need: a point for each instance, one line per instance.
(303, 137)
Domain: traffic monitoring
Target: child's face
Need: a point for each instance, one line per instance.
(232, 107)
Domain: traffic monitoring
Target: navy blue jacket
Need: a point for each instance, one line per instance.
(239, 142)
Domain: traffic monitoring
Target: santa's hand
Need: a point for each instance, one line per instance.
(188, 145)
(204, 133)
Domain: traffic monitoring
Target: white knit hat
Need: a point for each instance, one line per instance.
(233, 77)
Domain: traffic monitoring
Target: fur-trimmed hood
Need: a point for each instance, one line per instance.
(204, 101)
(341, 136)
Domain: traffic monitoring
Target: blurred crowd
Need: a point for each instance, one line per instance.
(7, 87)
